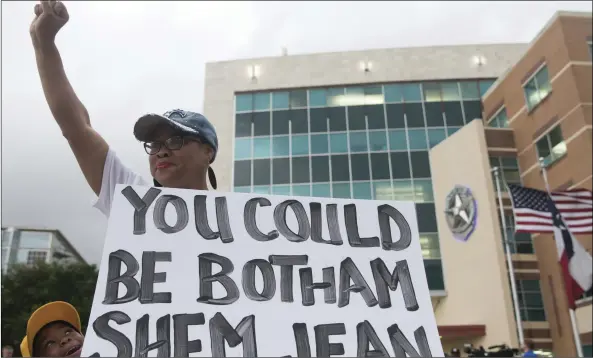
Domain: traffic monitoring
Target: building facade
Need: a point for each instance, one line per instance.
(546, 101)
(395, 124)
(27, 246)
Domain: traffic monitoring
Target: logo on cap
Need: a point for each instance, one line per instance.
(176, 113)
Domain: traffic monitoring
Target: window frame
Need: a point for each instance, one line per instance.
(546, 136)
(495, 117)
(533, 78)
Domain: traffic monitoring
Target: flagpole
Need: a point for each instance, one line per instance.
(496, 171)
(573, 317)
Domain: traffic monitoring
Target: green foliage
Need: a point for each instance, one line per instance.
(26, 288)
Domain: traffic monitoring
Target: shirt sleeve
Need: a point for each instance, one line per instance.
(114, 172)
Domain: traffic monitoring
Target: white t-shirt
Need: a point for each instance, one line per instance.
(114, 172)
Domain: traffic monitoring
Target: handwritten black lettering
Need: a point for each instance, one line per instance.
(354, 238)
(221, 330)
(332, 224)
(307, 286)
(384, 280)
(162, 344)
(349, 271)
(249, 280)
(181, 322)
(141, 206)
(304, 230)
(180, 209)
(114, 278)
(387, 212)
(322, 333)
(402, 346)
(222, 217)
(365, 334)
(286, 263)
(250, 223)
(207, 279)
(104, 331)
(149, 278)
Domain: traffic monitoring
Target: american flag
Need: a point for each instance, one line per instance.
(532, 213)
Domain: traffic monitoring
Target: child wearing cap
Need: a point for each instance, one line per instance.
(53, 330)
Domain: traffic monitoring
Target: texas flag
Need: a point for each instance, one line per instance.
(576, 262)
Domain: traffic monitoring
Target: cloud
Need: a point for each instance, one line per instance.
(128, 58)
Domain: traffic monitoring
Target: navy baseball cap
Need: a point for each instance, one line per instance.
(189, 123)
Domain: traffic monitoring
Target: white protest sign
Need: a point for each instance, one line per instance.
(197, 273)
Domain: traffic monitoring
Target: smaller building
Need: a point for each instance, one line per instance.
(27, 246)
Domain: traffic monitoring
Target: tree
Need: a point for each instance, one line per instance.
(26, 288)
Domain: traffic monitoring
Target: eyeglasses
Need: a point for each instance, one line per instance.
(173, 143)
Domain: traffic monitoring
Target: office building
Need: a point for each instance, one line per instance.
(395, 124)
(27, 246)
(545, 100)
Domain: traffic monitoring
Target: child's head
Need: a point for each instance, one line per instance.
(53, 330)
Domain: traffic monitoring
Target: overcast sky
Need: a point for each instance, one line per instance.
(128, 58)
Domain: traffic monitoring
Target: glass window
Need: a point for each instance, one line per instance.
(398, 140)
(300, 170)
(453, 113)
(320, 167)
(400, 165)
(420, 164)
(530, 300)
(451, 130)
(356, 118)
(360, 166)
(395, 116)
(338, 143)
(317, 98)
(429, 244)
(354, 96)
(340, 168)
(298, 121)
(298, 99)
(375, 116)
(414, 115)
(358, 142)
(301, 190)
(244, 102)
(426, 217)
(321, 190)
(417, 139)
(472, 109)
(280, 122)
(382, 190)
(434, 274)
(341, 190)
(362, 190)
(261, 172)
(319, 143)
(509, 162)
(485, 86)
(337, 119)
(423, 191)
(435, 136)
(261, 123)
(393, 93)
(469, 90)
(264, 189)
(261, 101)
(378, 140)
(380, 166)
(434, 114)
(242, 173)
(34, 240)
(373, 95)
(281, 171)
(280, 146)
(281, 189)
(450, 91)
(242, 148)
(537, 88)
(261, 147)
(300, 145)
(432, 91)
(411, 92)
(318, 118)
(242, 189)
(243, 124)
(403, 190)
(335, 96)
(500, 120)
(280, 100)
(551, 147)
